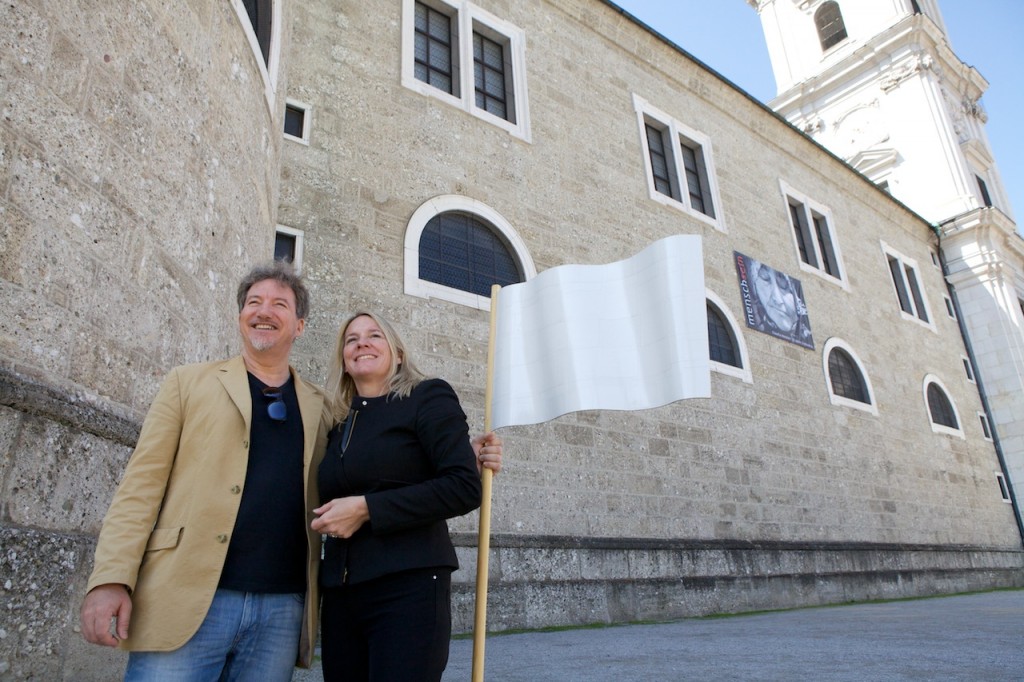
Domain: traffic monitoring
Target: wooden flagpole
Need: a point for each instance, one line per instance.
(484, 539)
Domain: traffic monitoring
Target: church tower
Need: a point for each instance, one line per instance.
(878, 84)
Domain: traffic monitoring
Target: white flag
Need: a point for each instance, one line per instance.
(629, 335)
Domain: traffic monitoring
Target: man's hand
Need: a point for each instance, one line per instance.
(103, 603)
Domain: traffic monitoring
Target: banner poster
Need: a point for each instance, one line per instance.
(773, 302)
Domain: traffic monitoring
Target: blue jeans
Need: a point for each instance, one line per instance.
(245, 637)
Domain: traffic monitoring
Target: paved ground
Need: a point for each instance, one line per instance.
(968, 637)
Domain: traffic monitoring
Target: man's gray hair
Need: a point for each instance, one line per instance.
(279, 271)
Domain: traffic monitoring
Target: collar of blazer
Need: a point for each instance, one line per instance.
(234, 377)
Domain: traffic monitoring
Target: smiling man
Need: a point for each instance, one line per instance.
(206, 563)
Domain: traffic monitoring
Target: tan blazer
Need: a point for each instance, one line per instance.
(166, 533)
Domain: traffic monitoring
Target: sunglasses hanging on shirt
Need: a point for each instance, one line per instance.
(276, 409)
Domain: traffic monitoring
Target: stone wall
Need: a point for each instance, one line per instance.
(765, 461)
(538, 582)
(138, 180)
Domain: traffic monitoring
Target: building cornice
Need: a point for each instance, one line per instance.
(910, 46)
(988, 217)
(990, 245)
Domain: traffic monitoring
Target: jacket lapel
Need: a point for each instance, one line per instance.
(233, 377)
(311, 404)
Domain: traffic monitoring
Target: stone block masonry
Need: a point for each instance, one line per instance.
(139, 151)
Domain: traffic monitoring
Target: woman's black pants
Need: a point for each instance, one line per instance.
(396, 628)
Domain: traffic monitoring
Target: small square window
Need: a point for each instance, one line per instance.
(288, 246)
(296, 121)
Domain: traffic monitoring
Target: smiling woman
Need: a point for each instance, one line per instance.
(398, 465)
(368, 357)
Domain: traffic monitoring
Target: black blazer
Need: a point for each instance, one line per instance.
(412, 459)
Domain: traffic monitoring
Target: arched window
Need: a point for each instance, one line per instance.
(721, 342)
(940, 408)
(845, 376)
(726, 348)
(261, 22)
(456, 248)
(829, 21)
(261, 17)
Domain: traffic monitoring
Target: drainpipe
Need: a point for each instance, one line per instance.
(981, 386)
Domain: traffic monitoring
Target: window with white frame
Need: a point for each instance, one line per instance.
(457, 247)
(950, 310)
(1004, 490)
(262, 22)
(467, 57)
(907, 285)
(679, 164)
(721, 342)
(813, 236)
(288, 245)
(968, 369)
(726, 348)
(845, 377)
(986, 431)
(296, 121)
(261, 14)
(941, 410)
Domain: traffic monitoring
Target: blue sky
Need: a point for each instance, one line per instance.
(726, 35)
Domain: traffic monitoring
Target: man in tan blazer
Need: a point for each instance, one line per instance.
(208, 535)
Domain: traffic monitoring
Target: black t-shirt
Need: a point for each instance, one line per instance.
(268, 546)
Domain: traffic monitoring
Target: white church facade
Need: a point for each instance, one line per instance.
(877, 82)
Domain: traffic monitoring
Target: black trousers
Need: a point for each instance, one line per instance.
(396, 628)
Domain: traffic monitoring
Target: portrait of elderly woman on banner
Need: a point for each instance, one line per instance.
(773, 302)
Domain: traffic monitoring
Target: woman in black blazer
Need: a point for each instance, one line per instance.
(398, 464)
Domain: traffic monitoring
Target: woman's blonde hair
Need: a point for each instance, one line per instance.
(402, 375)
